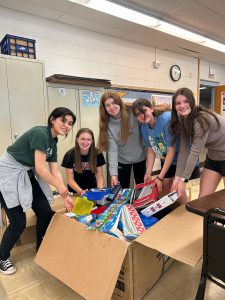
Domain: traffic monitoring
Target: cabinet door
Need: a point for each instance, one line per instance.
(66, 97)
(26, 95)
(5, 128)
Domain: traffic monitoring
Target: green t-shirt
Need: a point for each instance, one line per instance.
(37, 138)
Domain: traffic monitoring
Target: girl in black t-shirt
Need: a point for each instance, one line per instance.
(84, 164)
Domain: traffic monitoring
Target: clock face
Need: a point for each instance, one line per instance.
(175, 72)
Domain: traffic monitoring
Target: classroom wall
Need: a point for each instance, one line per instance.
(216, 69)
(74, 51)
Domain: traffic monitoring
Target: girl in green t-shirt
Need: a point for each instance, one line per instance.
(24, 179)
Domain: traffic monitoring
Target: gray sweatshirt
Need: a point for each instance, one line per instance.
(129, 153)
(213, 140)
(15, 184)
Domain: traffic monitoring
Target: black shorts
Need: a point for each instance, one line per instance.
(172, 171)
(215, 165)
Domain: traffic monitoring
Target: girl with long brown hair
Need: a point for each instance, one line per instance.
(119, 135)
(155, 130)
(200, 127)
(84, 164)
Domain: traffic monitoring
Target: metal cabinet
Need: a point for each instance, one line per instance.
(22, 97)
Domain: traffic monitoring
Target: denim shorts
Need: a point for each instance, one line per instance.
(215, 165)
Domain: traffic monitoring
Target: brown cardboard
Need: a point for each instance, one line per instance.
(141, 269)
(86, 260)
(29, 234)
(89, 262)
(178, 235)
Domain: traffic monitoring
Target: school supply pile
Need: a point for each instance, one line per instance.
(144, 194)
(132, 224)
(110, 216)
(82, 206)
(96, 193)
(160, 204)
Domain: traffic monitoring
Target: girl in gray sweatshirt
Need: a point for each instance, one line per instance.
(119, 135)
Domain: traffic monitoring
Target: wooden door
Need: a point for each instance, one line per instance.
(220, 99)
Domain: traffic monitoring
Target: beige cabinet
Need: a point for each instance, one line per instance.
(22, 97)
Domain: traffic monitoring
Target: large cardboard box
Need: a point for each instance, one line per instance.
(29, 234)
(95, 264)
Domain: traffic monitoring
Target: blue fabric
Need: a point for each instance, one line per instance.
(159, 138)
(148, 221)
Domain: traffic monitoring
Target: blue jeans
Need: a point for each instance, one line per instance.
(17, 220)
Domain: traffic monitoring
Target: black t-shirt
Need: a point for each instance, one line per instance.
(87, 179)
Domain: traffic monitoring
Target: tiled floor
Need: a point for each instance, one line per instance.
(33, 283)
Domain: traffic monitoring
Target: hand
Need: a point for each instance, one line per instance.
(159, 184)
(181, 188)
(68, 203)
(175, 184)
(114, 180)
(83, 192)
(62, 190)
(147, 178)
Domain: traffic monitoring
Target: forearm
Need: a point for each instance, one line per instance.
(74, 186)
(167, 162)
(182, 157)
(100, 182)
(150, 161)
(100, 177)
(47, 176)
(113, 163)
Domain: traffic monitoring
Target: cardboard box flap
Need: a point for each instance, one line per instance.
(87, 261)
(178, 235)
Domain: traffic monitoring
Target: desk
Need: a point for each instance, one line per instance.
(201, 205)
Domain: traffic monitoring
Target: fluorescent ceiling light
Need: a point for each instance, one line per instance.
(149, 21)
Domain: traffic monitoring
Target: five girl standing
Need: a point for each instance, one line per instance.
(24, 175)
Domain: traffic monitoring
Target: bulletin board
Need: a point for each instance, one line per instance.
(157, 98)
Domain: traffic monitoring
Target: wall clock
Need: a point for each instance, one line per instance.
(175, 72)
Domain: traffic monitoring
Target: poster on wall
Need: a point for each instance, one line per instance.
(91, 98)
(129, 96)
(162, 100)
(223, 99)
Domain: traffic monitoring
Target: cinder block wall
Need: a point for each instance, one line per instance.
(74, 51)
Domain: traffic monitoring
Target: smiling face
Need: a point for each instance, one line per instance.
(61, 125)
(145, 115)
(112, 108)
(182, 106)
(84, 141)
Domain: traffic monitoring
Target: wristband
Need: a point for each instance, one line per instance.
(160, 179)
(185, 180)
